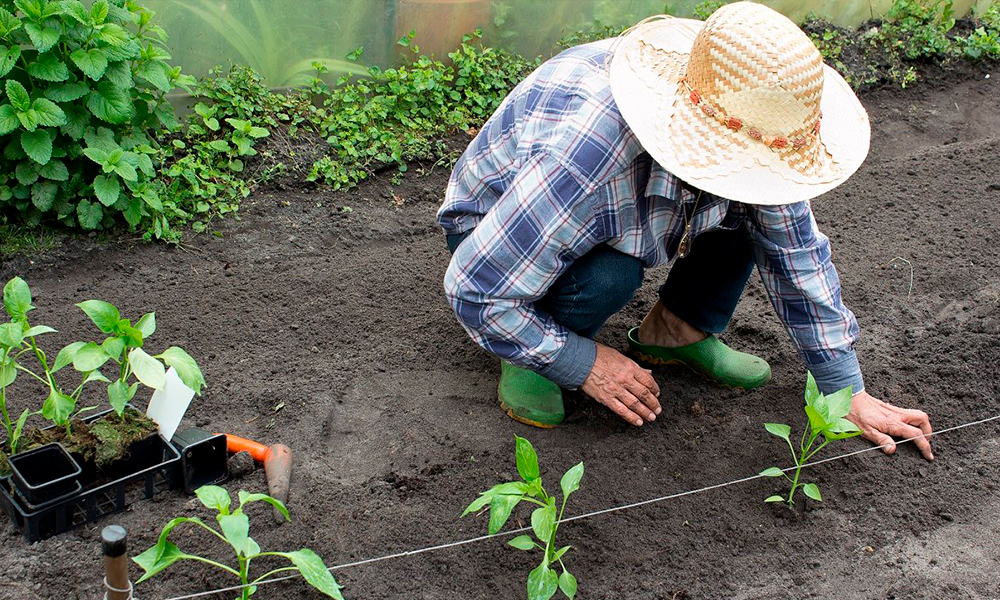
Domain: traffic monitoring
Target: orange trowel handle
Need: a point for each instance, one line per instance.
(236, 444)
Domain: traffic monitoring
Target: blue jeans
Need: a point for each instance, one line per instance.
(702, 288)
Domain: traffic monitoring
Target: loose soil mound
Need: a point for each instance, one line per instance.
(328, 331)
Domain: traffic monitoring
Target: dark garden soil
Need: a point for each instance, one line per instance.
(328, 331)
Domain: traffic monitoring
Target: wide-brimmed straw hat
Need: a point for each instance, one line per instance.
(740, 106)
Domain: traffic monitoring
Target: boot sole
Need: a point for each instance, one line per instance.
(652, 360)
(510, 413)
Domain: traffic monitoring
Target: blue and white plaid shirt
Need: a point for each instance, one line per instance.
(557, 171)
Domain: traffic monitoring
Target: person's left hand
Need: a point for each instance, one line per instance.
(878, 420)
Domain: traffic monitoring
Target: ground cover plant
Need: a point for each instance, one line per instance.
(84, 89)
(234, 530)
(503, 498)
(826, 416)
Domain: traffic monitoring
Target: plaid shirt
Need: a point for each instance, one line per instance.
(557, 171)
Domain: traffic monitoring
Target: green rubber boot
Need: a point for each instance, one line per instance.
(529, 398)
(709, 358)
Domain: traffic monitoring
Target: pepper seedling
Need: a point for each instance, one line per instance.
(234, 529)
(826, 418)
(503, 498)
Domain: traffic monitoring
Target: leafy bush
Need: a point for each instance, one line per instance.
(83, 90)
(919, 28)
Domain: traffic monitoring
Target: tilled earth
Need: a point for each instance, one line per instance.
(327, 330)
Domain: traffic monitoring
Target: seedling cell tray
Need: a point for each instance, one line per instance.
(44, 474)
(150, 466)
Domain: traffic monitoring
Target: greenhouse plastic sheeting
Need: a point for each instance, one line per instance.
(282, 39)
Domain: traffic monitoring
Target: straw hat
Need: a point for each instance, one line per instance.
(740, 106)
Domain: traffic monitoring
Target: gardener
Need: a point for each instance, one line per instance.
(699, 142)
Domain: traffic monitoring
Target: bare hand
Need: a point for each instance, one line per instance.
(878, 420)
(619, 383)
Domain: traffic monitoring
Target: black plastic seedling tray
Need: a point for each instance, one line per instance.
(44, 474)
(150, 466)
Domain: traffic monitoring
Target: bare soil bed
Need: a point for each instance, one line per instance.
(339, 319)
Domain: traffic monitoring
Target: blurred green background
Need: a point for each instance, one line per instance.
(281, 38)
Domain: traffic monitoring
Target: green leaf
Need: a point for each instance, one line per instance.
(8, 373)
(67, 92)
(118, 396)
(812, 390)
(8, 22)
(527, 459)
(8, 119)
(779, 429)
(559, 553)
(77, 121)
(774, 499)
(246, 498)
(157, 558)
(37, 145)
(772, 472)
(156, 74)
(48, 67)
(570, 481)
(42, 36)
(147, 324)
(147, 369)
(542, 521)
(107, 189)
(187, 369)
(88, 357)
(478, 504)
(126, 171)
(8, 58)
(66, 355)
(38, 330)
(214, 497)
(119, 74)
(48, 113)
(89, 214)
(522, 542)
(500, 509)
(236, 528)
(43, 195)
(27, 171)
(219, 145)
(838, 404)
(113, 35)
(92, 62)
(567, 583)
(104, 314)
(12, 334)
(542, 583)
(812, 491)
(17, 299)
(113, 347)
(110, 103)
(314, 571)
(816, 420)
(55, 170)
(58, 407)
(76, 10)
(99, 12)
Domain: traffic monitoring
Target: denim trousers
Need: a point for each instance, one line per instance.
(702, 288)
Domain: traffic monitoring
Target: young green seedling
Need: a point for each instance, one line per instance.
(501, 500)
(826, 418)
(234, 529)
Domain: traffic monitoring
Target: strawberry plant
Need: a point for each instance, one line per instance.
(83, 85)
(234, 530)
(826, 415)
(543, 582)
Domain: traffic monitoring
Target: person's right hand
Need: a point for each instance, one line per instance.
(617, 382)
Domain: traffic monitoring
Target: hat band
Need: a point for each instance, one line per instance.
(775, 142)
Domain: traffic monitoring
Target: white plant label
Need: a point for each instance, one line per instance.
(169, 403)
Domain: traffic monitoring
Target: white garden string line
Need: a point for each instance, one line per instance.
(587, 515)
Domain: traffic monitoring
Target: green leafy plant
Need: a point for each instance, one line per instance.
(124, 347)
(919, 28)
(234, 530)
(84, 88)
(826, 415)
(503, 498)
(17, 338)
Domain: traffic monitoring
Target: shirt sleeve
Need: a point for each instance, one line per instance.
(794, 261)
(541, 224)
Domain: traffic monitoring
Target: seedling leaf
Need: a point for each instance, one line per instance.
(246, 498)
(570, 481)
(522, 542)
(779, 429)
(500, 509)
(812, 390)
(774, 499)
(816, 420)
(187, 369)
(479, 503)
(102, 313)
(839, 404)
(542, 583)
(812, 491)
(157, 558)
(38, 330)
(215, 497)
(772, 472)
(118, 395)
(542, 520)
(236, 528)
(147, 369)
(88, 357)
(147, 324)
(17, 299)
(58, 407)
(567, 583)
(527, 459)
(314, 571)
